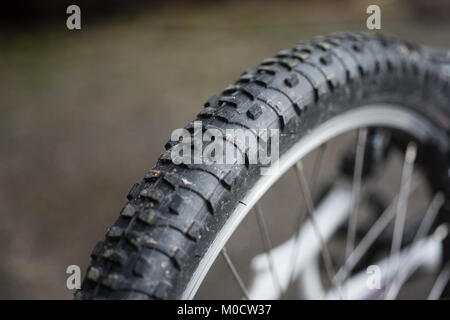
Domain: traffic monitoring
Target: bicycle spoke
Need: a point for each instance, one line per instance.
(317, 167)
(406, 269)
(235, 273)
(424, 253)
(267, 244)
(402, 205)
(433, 209)
(374, 232)
(310, 210)
(356, 190)
(301, 217)
(424, 227)
(440, 283)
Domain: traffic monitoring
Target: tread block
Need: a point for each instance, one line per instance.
(147, 216)
(213, 102)
(243, 96)
(161, 291)
(251, 70)
(190, 127)
(358, 47)
(289, 63)
(177, 204)
(291, 81)
(134, 191)
(216, 196)
(166, 157)
(79, 295)
(301, 55)
(269, 61)
(114, 232)
(226, 114)
(323, 45)
(267, 69)
(326, 59)
(115, 255)
(128, 210)
(179, 257)
(172, 179)
(254, 112)
(97, 250)
(94, 273)
(206, 113)
(195, 230)
(230, 89)
(264, 79)
(251, 89)
(152, 175)
(245, 78)
(280, 103)
(231, 100)
(137, 239)
(169, 144)
(152, 194)
(170, 251)
(230, 179)
(170, 221)
(142, 267)
(114, 281)
(303, 52)
(283, 53)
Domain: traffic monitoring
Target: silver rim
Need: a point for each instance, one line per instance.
(390, 116)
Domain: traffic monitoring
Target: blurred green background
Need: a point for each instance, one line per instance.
(85, 113)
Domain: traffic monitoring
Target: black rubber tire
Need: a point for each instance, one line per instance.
(175, 212)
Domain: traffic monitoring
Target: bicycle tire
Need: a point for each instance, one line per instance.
(174, 213)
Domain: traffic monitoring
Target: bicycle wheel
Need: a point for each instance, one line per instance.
(179, 217)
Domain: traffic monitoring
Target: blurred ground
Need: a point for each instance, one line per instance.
(85, 113)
